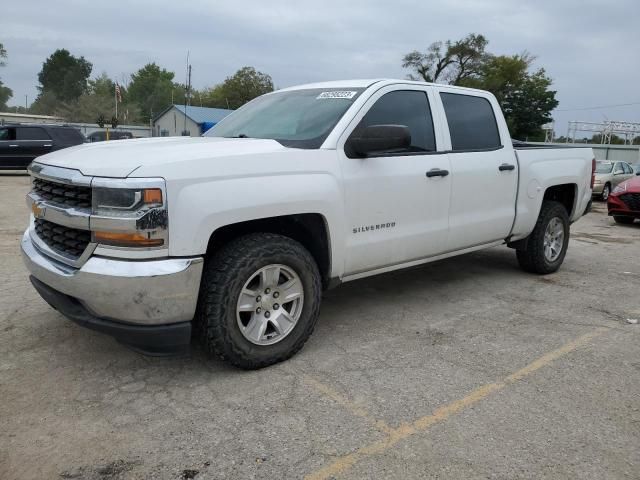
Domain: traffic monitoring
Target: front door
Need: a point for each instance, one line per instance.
(9, 155)
(395, 212)
(32, 142)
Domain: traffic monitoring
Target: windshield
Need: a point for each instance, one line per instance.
(604, 167)
(296, 118)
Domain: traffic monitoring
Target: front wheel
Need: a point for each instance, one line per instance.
(606, 190)
(259, 300)
(547, 244)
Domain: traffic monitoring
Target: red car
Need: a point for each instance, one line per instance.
(624, 201)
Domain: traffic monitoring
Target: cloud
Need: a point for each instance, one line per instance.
(588, 50)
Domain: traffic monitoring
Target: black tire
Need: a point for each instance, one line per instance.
(606, 191)
(532, 259)
(623, 220)
(224, 276)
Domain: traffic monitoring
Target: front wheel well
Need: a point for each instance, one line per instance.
(564, 194)
(309, 229)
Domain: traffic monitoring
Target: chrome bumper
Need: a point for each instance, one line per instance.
(150, 292)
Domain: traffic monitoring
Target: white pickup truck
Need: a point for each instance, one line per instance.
(238, 232)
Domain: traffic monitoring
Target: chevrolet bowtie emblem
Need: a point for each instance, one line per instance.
(37, 210)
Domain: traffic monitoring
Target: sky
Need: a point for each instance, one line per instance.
(591, 49)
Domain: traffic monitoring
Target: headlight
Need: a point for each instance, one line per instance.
(123, 201)
(129, 213)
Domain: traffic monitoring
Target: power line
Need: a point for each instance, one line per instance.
(598, 107)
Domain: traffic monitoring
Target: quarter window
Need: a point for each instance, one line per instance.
(404, 107)
(472, 123)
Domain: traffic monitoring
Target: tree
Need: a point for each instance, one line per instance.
(242, 87)
(525, 96)
(5, 92)
(150, 89)
(450, 62)
(102, 86)
(64, 75)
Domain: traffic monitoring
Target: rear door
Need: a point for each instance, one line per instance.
(484, 170)
(32, 142)
(395, 213)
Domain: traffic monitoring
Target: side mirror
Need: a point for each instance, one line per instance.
(380, 138)
(638, 173)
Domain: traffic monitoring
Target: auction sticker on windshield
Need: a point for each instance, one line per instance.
(337, 94)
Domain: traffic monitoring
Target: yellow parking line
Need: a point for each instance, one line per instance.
(443, 413)
(344, 402)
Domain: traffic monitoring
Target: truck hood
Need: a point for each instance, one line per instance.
(121, 158)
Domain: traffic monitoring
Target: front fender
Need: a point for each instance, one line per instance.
(199, 209)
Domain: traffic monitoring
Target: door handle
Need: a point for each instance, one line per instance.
(14, 146)
(506, 166)
(47, 145)
(436, 172)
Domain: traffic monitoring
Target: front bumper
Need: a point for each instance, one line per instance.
(616, 206)
(146, 293)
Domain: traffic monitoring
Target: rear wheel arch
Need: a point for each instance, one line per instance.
(565, 194)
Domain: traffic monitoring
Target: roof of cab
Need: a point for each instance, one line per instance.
(367, 82)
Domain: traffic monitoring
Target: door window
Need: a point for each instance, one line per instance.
(617, 170)
(31, 133)
(472, 123)
(7, 134)
(627, 168)
(404, 107)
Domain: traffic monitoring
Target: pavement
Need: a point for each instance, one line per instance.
(463, 368)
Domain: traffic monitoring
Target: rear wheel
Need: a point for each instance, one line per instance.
(547, 244)
(606, 190)
(623, 220)
(259, 300)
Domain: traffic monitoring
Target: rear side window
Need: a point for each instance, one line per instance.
(472, 124)
(5, 134)
(32, 133)
(404, 107)
(68, 136)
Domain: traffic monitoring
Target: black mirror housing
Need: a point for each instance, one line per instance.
(380, 138)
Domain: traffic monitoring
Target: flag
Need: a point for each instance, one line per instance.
(118, 94)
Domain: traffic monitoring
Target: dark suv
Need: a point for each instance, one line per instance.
(20, 144)
(101, 136)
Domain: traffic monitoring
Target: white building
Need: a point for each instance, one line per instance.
(173, 121)
(8, 117)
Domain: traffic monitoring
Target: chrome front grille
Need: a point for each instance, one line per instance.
(65, 195)
(69, 242)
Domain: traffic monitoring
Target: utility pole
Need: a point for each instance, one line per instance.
(186, 94)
